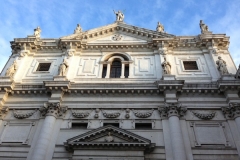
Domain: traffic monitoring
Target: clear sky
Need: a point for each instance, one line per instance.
(58, 18)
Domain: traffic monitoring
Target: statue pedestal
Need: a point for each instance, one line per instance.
(168, 77)
(228, 77)
(207, 32)
(59, 78)
(6, 79)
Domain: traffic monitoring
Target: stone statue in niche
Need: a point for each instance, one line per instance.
(37, 32)
(11, 70)
(166, 67)
(221, 66)
(63, 68)
(160, 27)
(203, 27)
(119, 16)
(78, 29)
(109, 138)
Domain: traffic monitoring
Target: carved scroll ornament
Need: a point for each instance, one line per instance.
(80, 114)
(23, 114)
(142, 114)
(205, 116)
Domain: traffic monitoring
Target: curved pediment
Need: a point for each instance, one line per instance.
(106, 136)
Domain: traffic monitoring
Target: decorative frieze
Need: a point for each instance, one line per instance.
(23, 114)
(111, 115)
(53, 109)
(80, 114)
(172, 109)
(205, 116)
(232, 111)
(143, 114)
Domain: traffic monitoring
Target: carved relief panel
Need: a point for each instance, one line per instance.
(144, 66)
(88, 67)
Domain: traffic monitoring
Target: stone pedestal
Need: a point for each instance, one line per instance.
(168, 77)
(59, 78)
(228, 77)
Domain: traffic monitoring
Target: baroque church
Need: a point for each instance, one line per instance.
(120, 92)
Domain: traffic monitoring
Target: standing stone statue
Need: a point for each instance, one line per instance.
(221, 66)
(78, 29)
(119, 16)
(166, 67)
(11, 70)
(160, 27)
(63, 68)
(37, 32)
(203, 27)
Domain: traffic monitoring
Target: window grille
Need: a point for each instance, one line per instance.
(190, 65)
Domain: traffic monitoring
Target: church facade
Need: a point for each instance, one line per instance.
(120, 92)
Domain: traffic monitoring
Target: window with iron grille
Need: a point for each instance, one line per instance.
(190, 65)
(43, 66)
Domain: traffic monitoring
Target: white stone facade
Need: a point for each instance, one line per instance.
(113, 100)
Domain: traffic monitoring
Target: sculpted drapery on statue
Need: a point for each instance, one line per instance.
(203, 27)
(63, 68)
(221, 66)
(119, 16)
(78, 29)
(37, 32)
(166, 67)
(160, 27)
(11, 70)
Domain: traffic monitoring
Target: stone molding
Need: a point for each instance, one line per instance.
(142, 114)
(232, 111)
(53, 109)
(172, 109)
(204, 116)
(23, 114)
(3, 111)
(80, 114)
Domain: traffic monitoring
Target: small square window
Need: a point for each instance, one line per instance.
(43, 66)
(190, 65)
(143, 125)
(79, 125)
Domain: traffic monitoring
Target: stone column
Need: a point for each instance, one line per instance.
(122, 70)
(51, 111)
(173, 111)
(108, 70)
(100, 70)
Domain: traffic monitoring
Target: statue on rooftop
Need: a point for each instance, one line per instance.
(37, 32)
(203, 27)
(166, 67)
(78, 29)
(119, 16)
(63, 68)
(11, 70)
(160, 27)
(221, 66)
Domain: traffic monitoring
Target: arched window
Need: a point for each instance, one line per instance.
(116, 69)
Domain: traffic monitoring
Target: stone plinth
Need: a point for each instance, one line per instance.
(59, 78)
(168, 77)
(228, 77)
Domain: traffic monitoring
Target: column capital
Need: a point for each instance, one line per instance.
(53, 109)
(232, 111)
(172, 109)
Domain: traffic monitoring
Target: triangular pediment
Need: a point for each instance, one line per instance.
(107, 33)
(108, 135)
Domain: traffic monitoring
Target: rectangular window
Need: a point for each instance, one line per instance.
(190, 65)
(79, 125)
(113, 124)
(104, 71)
(43, 66)
(143, 125)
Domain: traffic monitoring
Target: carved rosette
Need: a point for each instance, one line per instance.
(23, 114)
(205, 116)
(3, 111)
(97, 113)
(232, 111)
(141, 114)
(53, 109)
(127, 115)
(80, 114)
(172, 109)
(111, 115)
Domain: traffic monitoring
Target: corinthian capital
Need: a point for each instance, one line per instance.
(172, 109)
(53, 109)
(232, 111)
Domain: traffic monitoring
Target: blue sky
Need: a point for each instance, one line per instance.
(58, 18)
